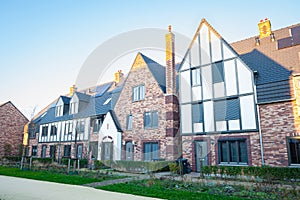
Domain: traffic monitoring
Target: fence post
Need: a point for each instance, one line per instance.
(30, 163)
(69, 163)
(78, 164)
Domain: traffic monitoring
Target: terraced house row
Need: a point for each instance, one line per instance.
(223, 104)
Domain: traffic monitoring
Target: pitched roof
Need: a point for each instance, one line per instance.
(157, 70)
(83, 97)
(9, 102)
(94, 107)
(286, 57)
(274, 66)
(65, 99)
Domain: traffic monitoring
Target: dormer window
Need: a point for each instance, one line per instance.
(62, 106)
(73, 107)
(59, 111)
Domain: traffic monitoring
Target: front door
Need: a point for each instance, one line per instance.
(107, 151)
(129, 151)
(201, 154)
(43, 154)
(79, 151)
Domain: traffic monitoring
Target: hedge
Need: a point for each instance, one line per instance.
(266, 173)
(137, 166)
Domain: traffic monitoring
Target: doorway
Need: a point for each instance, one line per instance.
(129, 151)
(201, 154)
(107, 151)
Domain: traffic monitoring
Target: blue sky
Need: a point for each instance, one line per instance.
(43, 44)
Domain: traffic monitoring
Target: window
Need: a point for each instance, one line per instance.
(107, 101)
(73, 107)
(218, 72)
(81, 126)
(68, 128)
(67, 151)
(34, 151)
(44, 131)
(59, 111)
(227, 114)
(53, 130)
(197, 118)
(294, 150)
(233, 152)
(96, 123)
(151, 119)
(52, 151)
(196, 81)
(197, 112)
(79, 151)
(129, 122)
(138, 93)
(151, 151)
(43, 153)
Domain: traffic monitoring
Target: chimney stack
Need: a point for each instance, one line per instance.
(73, 89)
(170, 63)
(118, 76)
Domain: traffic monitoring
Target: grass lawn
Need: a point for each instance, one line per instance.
(159, 190)
(80, 179)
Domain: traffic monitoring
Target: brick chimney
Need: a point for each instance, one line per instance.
(170, 63)
(118, 76)
(73, 89)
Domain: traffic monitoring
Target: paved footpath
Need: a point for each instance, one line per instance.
(12, 188)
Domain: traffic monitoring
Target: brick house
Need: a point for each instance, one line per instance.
(237, 102)
(148, 109)
(12, 123)
(276, 58)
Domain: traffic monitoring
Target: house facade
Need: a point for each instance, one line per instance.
(275, 56)
(12, 123)
(72, 125)
(227, 104)
(239, 102)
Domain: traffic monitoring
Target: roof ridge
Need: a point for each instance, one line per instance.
(287, 27)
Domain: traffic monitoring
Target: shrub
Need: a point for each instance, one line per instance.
(137, 166)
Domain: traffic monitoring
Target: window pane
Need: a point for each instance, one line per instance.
(147, 151)
(218, 72)
(197, 110)
(155, 151)
(129, 122)
(196, 77)
(155, 119)
(147, 120)
(243, 152)
(135, 94)
(232, 109)
(220, 110)
(142, 92)
(294, 150)
(233, 151)
(223, 154)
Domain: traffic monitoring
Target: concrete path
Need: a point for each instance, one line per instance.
(12, 188)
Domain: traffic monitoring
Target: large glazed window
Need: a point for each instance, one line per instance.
(233, 152)
(151, 151)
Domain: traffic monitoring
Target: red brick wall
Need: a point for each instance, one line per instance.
(155, 100)
(278, 121)
(253, 147)
(12, 123)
